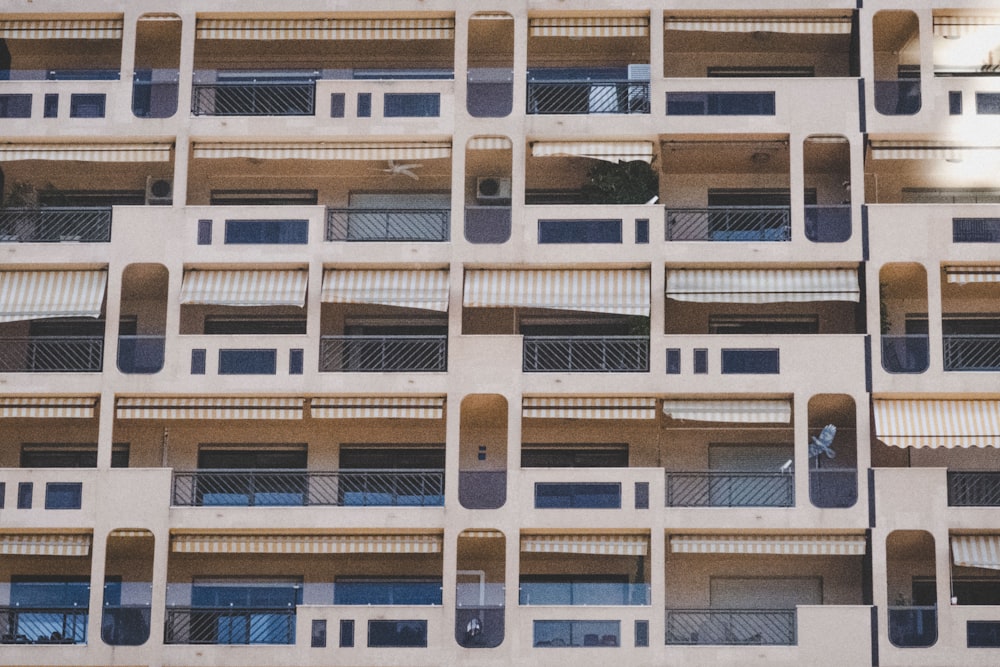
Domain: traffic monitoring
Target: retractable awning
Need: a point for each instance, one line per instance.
(325, 29)
(130, 533)
(245, 288)
(931, 423)
(218, 407)
(779, 545)
(489, 144)
(86, 152)
(306, 544)
(609, 151)
(358, 407)
(762, 285)
(427, 290)
(589, 26)
(48, 407)
(739, 412)
(588, 408)
(37, 295)
(62, 29)
(976, 551)
(963, 275)
(485, 534)
(961, 25)
(803, 25)
(928, 150)
(35, 544)
(621, 291)
(407, 150)
(596, 545)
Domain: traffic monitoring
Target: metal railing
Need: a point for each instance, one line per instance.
(729, 223)
(607, 354)
(141, 354)
(908, 353)
(828, 223)
(43, 625)
(271, 488)
(125, 625)
(229, 625)
(980, 352)
(383, 354)
(914, 626)
(973, 488)
(586, 97)
(776, 627)
(254, 98)
(388, 224)
(85, 224)
(730, 489)
(46, 354)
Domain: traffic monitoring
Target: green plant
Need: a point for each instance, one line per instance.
(21, 195)
(634, 182)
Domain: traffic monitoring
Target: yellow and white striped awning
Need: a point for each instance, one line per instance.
(803, 25)
(48, 407)
(245, 288)
(482, 534)
(405, 150)
(929, 150)
(589, 26)
(964, 275)
(306, 544)
(572, 407)
(777, 545)
(976, 551)
(37, 295)
(218, 407)
(596, 545)
(762, 285)
(391, 407)
(609, 151)
(738, 412)
(32, 544)
(427, 290)
(86, 152)
(62, 29)
(130, 532)
(620, 291)
(489, 144)
(931, 423)
(960, 25)
(326, 29)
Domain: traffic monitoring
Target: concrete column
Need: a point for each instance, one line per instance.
(797, 184)
(934, 308)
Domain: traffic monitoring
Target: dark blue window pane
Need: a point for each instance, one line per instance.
(673, 361)
(3, 493)
(318, 637)
(63, 495)
(412, 105)
(364, 105)
(955, 102)
(750, 361)
(642, 633)
(975, 230)
(15, 106)
(267, 231)
(86, 106)
(204, 232)
(720, 104)
(24, 492)
(983, 634)
(579, 231)
(337, 105)
(397, 633)
(295, 361)
(246, 596)
(51, 107)
(198, 362)
(248, 362)
(346, 633)
(988, 103)
(642, 495)
(566, 495)
(642, 230)
(701, 361)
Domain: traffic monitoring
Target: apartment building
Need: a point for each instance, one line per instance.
(433, 332)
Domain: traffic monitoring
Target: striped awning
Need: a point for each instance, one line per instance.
(931, 423)
(405, 150)
(48, 407)
(427, 290)
(596, 545)
(928, 150)
(86, 152)
(130, 532)
(589, 408)
(963, 275)
(589, 26)
(306, 544)
(826, 25)
(21, 544)
(62, 29)
(359, 407)
(958, 26)
(762, 285)
(620, 291)
(738, 412)
(245, 288)
(325, 29)
(487, 534)
(777, 545)
(37, 295)
(489, 144)
(609, 151)
(976, 551)
(224, 407)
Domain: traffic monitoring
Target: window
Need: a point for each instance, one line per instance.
(248, 362)
(296, 360)
(364, 105)
(574, 455)
(951, 196)
(955, 102)
(318, 635)
(700, 361)
(397, 633)
(63, 495)
(982, 634)
(230, 325)
(750, 362)
(975, 230)
(579, 231)
(255, 611)
(337, 105)
(720, 104)
(412, 105)
(387, 457)
(15, 106)
(642, 633)
(346, 633)
(558, 634)
(198, 361)
(641, 230)
(86, 105)
(57, 455)
(987, 103)
(50, 108)
(673, 361)
(561, 495)
(278, 232)
(387, 591)
(275, 475)
(763, 324)
(24, 493)
(204, 232)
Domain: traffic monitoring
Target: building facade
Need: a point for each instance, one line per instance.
(468, 332)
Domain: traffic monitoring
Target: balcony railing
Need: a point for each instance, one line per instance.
(383, 354)
(730, 489)
(254, 98)
(912, 626)
(583, 593)
(387, 224)
(972, 352)
(48, 354)
(973, 488)
(587, 97)
(141, 354)
(906, 354)
(270, 488)
(776, 627)
(43, 625)
(125, 625)
(729, 223)
(85, 224)
(828, 224)
(230, 625)
(604, 354)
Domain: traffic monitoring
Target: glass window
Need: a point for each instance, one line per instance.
(397, 633)
(278, 232)
(412, 105)
(387, 591)
(63, 495)
(248, 362)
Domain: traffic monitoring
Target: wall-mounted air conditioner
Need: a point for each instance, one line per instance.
(490, 189)
(159, 191)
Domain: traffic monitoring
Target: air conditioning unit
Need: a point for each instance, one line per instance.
(491, 189)
(159, 191)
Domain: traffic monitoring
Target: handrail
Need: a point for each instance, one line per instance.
(729, 223)
(608, 354)
(973, 488)
(47, 354)
(230, 625)
(388, 224)
(83, 224)
(971, 352)
(730, 489)
(383, 354)
(588, 96)
(732, 626)
(254, 98)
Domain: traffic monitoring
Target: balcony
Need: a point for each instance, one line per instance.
(383, 354)
(230, 625)
(599, 96)
(43, 625)
(908, 353)
(254, 98)
(732, 223)
(980, 352)
(51, 354)
(730, 489)
(973, 488)
(721, 627)
(586, 354)
(84, 224)
(388, 224)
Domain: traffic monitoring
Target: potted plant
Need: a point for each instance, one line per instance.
(633, 182)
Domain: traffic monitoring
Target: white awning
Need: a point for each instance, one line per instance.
(589, 408)
(609, 151)
(86, 152)
(961, 25)
(358, 407)
(739, 412)
(762, 285)
(325, 29)
(33, 544)
(306, 544)
(407, 150)
(489, 144)
(836, 25)
(130, 532)
(220, 407)
(427, 290)
(928, 150)
(245, 288)
(778, 545)
(621, 291)
(589, 26)
(976, 551)
(931, 424)
(483, 534)
(597, 545)
(62, 29)
(37, 295)
(963, 275)
(48, 407)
